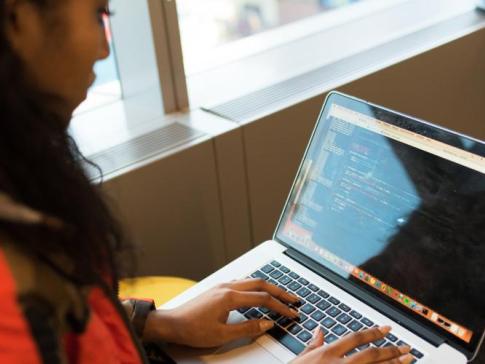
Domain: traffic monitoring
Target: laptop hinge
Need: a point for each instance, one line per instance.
(376, 303)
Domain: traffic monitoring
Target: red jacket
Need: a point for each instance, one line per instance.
(45, 318)
(107, 339)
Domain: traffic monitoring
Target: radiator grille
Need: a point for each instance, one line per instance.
(141, 148)
(248, 107)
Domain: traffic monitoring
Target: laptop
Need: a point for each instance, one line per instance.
(384, 225)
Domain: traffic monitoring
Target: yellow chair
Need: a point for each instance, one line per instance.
(160, 289)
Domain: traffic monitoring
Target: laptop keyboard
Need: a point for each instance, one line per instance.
(317, 309)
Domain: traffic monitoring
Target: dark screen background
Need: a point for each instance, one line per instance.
(407, 217)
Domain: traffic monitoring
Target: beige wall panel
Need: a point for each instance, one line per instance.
(172, 209)
(274, 148)
(231, 168)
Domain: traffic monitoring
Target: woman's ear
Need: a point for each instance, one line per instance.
(23, 27)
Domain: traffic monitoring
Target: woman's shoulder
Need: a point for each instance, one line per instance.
(39, 291)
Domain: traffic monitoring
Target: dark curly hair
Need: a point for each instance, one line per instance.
(41, 167)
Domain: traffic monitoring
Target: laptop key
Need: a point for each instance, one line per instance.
(323, 305)
(293, 275)
(308, 309)
(286, 340)
(391, 337)
(284, 269)
(323, 294)
(294, 286)
(367, 322)
(272, 281)
(276, 274)
(363, 347)
(330, 338)
(333, 311)
(304, 336)
(264, 310)
(353, 351)
(328, 322)
(344, 307)
(313, 287)
(243, 309)
(313, 298)
(401, 343)
(274, 315)
(267, 268)
(339, 330)
(303, 281)
(253, 314)
(344, 318)
(285, 321)
(285, 280)
(416, 353)
(303, 292)
(317, 315)
(294, 328)
(310, 325)
(260, 274)
(379, 342)
(274, 263)
(355, 326)
(355, 314)
(302, 318)
(333, 300)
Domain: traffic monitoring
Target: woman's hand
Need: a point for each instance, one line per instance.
(318, 353)
(202, 322)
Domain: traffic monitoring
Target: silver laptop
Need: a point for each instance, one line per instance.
(384, 225)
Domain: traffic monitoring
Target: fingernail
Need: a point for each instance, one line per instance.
(316, 331)
(385, 329)
(406, 359)
(265, 325)
(294, 312)
(404, 349)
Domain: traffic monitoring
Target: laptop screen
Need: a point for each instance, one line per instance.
(396, 206)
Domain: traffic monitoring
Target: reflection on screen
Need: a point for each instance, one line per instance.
(397, 213)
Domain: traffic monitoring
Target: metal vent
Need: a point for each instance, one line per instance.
(249, 106)
(266, 100)
(141, 148)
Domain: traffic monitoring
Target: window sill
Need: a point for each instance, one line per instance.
(133, 122)
(285, 61)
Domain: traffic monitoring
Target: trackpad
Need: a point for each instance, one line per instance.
(235, 353)
(241, 351)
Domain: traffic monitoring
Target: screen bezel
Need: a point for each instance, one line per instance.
(415, 125)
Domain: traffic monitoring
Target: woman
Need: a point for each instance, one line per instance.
(58, 241)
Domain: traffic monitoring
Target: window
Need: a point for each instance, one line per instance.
(207, 25)
(259, 43)
(126, 100)
(169, 55)
(107, 87)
